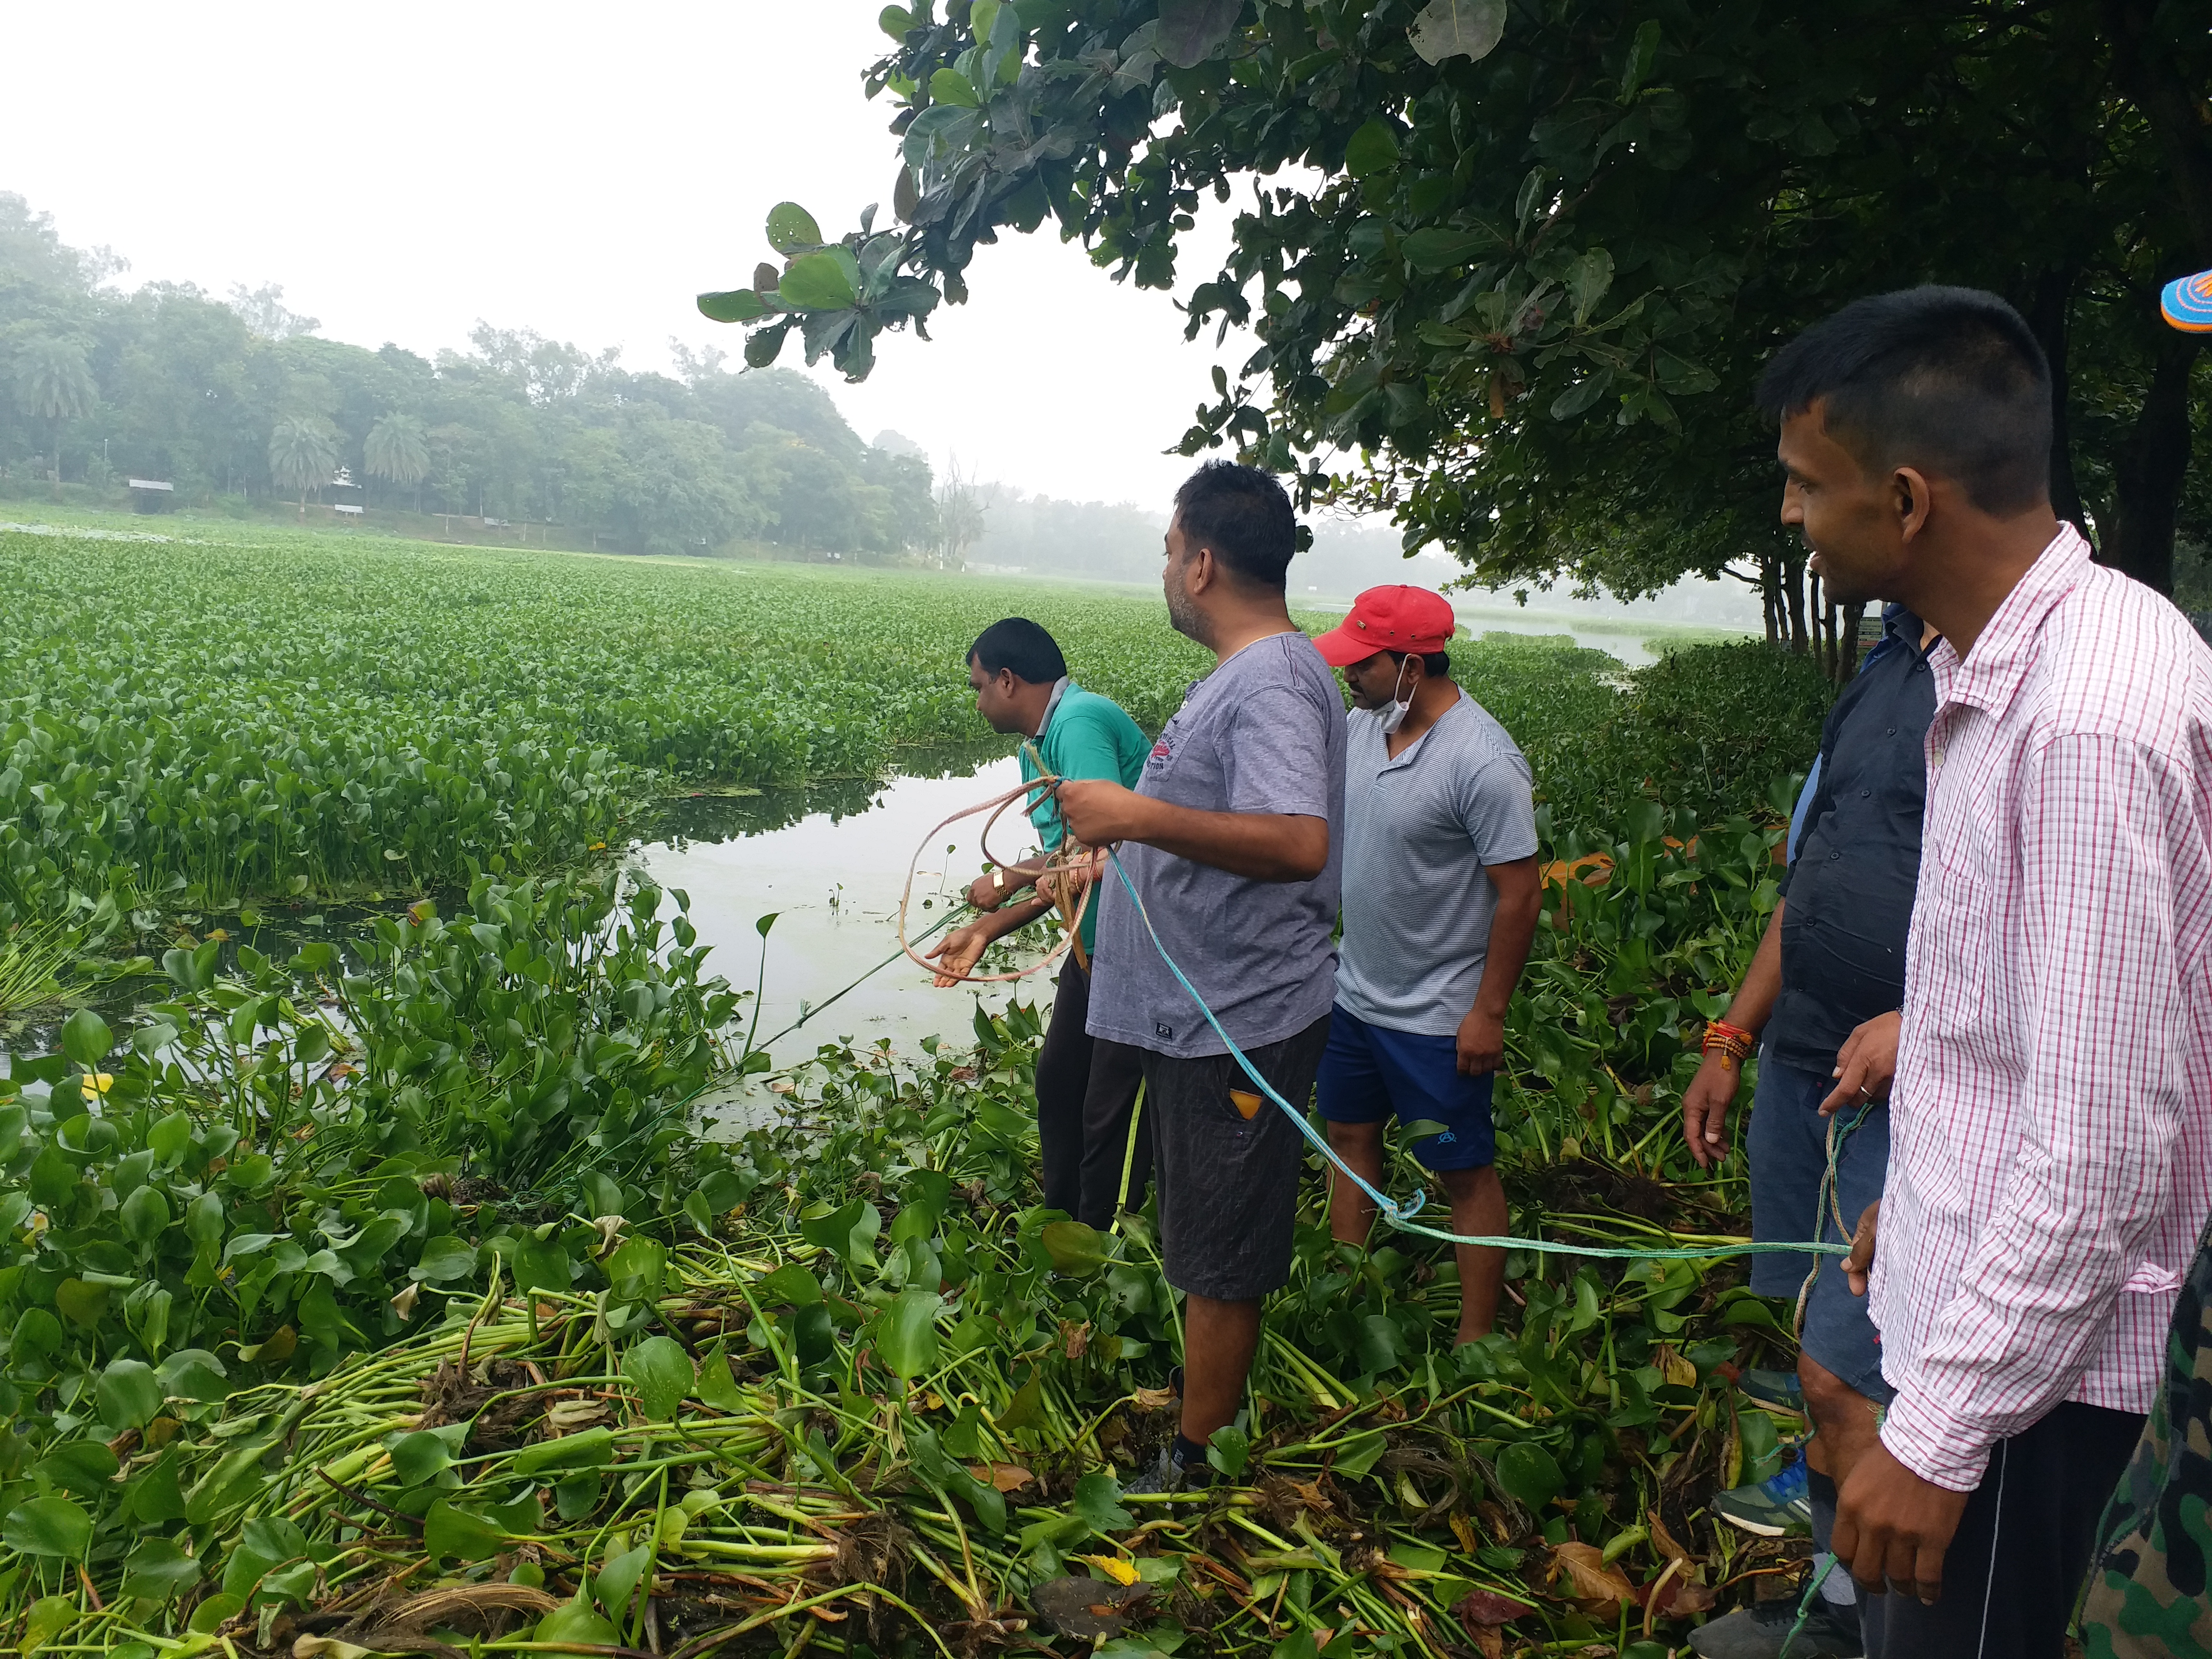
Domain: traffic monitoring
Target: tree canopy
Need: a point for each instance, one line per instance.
(168, 382)
(1513, 266)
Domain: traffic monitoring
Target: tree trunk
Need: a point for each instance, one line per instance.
(2047, 314)
(2151, 469)
(1793, 593)
(303, 503)
(1854, 614)
(2154, 83)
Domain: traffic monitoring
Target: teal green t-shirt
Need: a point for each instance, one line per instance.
(1088, 737)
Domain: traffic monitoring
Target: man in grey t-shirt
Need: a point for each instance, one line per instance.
(1233, 840)
(1440, 903)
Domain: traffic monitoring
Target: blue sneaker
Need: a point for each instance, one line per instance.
(1778, 1507)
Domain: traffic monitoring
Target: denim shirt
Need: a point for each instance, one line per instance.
(1850, 885)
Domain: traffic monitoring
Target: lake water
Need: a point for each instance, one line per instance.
(829, 863)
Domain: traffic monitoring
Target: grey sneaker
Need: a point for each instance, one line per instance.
(1760, 1633)
(1778, 1507)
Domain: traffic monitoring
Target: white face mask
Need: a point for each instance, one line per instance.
(1401, 703)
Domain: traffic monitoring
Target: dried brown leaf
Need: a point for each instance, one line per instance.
(1593, 1585)
(1486, 1609)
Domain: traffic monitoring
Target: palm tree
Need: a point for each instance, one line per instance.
(54, 385)
(302, 451)
(397, 450)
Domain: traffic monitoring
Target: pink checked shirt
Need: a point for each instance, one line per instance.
(2050, 1161)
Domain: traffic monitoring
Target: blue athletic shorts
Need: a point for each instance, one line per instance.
(1788, 1140)
(1369, 1073)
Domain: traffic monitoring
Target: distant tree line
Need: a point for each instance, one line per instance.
(239, 399)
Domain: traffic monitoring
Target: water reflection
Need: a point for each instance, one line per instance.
(828, 862)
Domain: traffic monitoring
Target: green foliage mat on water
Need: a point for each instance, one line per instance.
(272, 717)
(311, 716)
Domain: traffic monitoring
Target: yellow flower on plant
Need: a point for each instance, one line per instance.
(96, 1084)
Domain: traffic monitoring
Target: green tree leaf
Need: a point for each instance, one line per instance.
(736, 305)
(660, 1371)
(1191, 31)
(791, 228)
(1457, 28)
(950, 86)
(829, 281)
(1372, 149)
(48, 1526)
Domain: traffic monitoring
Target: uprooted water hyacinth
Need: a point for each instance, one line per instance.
(391, 1297)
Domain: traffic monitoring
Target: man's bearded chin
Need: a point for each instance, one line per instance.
(1185, 617)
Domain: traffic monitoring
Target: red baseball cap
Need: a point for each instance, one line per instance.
(1397, 618)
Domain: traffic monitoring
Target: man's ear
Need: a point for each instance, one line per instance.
(1912, 499)
(1199, 570)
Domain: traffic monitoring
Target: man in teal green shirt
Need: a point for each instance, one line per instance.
(1086, 1087)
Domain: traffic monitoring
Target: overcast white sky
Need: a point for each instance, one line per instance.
(406, 169)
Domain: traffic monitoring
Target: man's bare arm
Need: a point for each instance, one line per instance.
(1705, 1102)
(1512, 930)
(1259, 846)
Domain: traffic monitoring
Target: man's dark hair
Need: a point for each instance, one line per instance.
(1019, 644)
(1435, 664)
(1245, 516)
(1948, 379)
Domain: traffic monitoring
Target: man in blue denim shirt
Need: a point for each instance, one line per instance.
(1824, 990)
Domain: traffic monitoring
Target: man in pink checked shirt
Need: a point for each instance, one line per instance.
(2051, 1155)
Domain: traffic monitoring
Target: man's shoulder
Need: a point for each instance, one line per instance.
(2118, 659)
(1476, 739)
(1080, 707)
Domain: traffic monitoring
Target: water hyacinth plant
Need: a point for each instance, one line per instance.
(474, 1337)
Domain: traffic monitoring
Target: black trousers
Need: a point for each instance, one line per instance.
(1086, 1089)
(2016, 1564)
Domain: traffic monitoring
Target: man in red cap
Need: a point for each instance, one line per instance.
(1440, 903)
